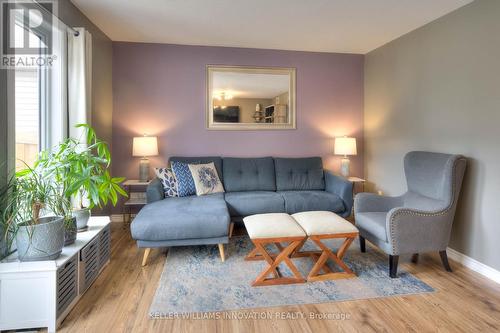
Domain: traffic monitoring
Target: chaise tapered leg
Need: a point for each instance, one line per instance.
(414, 258)
(444, 260)
(393, 266)
(362, 244)
(145, 257)
(231, 228)
(221, 251)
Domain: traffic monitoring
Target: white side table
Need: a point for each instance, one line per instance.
(355, 181)
(136, 191)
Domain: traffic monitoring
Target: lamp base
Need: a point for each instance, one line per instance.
(344, 167)
(144, 170)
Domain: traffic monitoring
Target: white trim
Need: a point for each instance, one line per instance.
(117, 218)
(474, 265)
(120, 218)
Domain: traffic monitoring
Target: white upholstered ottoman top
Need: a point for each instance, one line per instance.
(273, 225)
(323, 223)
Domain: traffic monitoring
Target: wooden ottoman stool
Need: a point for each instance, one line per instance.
(320, 225)
(274, 228)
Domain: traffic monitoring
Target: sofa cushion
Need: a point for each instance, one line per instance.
(299, 174)
(249, 174)
(200, 160)
(182, 218)
(372, 223)
(254, 202)
(302, 201)
(419, 202)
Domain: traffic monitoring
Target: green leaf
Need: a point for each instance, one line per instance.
(120, 190)
(23, 173)
(114, 197)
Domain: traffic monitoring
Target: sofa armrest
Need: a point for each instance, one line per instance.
(154, 191)
(341, 187)
(413, 231)
(370, 202)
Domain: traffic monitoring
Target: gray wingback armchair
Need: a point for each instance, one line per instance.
(419, 220)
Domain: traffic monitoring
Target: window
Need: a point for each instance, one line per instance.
(27, 116)
(37, 113)
(28, 90)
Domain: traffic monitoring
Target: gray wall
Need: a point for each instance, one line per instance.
(438, 89)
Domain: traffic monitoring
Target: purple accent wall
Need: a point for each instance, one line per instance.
(160, 89)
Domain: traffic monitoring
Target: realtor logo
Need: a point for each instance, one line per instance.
(27, 33)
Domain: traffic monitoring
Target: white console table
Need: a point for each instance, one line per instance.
(41, 293)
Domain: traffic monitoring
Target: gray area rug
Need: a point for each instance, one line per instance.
(195, 280)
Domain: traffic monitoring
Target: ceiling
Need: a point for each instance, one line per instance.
(350, 26)
(243, 85)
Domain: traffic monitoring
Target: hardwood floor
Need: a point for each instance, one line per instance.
(119, 301)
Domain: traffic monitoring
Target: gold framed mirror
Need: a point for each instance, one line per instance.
(250, 98)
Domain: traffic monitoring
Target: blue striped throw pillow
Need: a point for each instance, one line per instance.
(185, 182)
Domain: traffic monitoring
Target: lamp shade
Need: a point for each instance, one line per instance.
(145, 146)
(345, 146)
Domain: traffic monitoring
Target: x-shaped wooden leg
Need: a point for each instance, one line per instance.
(254, 255)
(337, 258)
(274, 261)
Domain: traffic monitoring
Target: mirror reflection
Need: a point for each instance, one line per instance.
(251, 98)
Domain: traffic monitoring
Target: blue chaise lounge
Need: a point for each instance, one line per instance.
(252, 186)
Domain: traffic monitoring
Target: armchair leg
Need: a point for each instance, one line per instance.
(444, 260)
(393, 266)
(414, 258)
(362, 244)
(231, 228)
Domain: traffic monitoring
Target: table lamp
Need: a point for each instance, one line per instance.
(345, 146)
(144, 146)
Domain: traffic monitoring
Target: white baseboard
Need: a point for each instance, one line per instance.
(474, 265)
(120, 218)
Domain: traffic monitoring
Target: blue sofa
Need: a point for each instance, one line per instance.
(252, 185)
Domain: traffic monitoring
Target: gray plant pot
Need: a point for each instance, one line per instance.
(82, 218)
(70, 232)
(42, 241)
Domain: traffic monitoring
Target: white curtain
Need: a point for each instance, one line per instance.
(79, 81)
(54, 97)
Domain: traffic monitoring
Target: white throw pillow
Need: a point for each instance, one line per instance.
(206, 179)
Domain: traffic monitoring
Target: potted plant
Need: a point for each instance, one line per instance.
(82, 172)
(70, 173)
(62, 207)
(37, 237)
